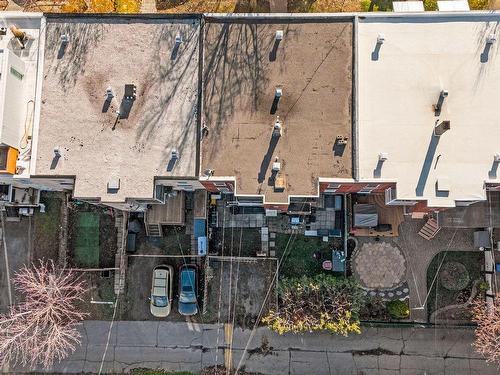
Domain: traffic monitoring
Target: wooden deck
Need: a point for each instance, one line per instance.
(393, 215)
(170, 213)
(200, 204)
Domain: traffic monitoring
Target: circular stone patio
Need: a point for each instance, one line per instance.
(379, 265)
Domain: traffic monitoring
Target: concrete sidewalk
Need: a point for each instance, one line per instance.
(190, 347)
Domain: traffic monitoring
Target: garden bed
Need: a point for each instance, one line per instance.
(453, 287)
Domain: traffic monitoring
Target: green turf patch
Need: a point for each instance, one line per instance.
(87, 240)
(299, 259)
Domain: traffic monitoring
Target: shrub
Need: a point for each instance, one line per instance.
(483, 286)
(75, 6)
(321, 302)
(127, 6)
(398, 309)
(430, 5)
(478, 4)
(365, 5)
(102, 6)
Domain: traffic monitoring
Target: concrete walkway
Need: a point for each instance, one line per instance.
(190, 347)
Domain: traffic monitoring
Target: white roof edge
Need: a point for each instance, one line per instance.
(38, 98)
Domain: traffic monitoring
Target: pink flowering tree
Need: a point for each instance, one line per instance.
(43, 327)
(487, 335)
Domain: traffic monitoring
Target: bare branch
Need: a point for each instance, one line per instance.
(43, 328)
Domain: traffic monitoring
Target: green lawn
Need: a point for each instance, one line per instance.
(46, 224)
(440, 296)
(87, 240)
(299, 260)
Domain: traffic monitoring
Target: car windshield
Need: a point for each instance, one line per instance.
(160, 301)
(187, 288)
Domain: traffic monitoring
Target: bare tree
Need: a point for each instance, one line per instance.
(487, 335)
(43, 327)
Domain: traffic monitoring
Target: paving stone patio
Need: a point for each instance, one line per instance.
(379, 265)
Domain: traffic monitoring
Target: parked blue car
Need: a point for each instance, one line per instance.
(188, 290)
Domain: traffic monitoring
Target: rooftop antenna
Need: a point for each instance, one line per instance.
(439, 105)
(109, 93)
(64, 39)
(276, 165)
(178, 39)
(277, 127)
(383, 156)
(57, 152)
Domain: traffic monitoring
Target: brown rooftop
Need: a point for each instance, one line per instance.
(243, 65)
(129, 140)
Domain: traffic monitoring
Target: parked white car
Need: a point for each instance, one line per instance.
(161, 291)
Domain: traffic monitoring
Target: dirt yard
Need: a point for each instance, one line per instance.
(135, 302)
(239, 289)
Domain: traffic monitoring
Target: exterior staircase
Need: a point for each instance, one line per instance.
(153, 230)
(430, 229)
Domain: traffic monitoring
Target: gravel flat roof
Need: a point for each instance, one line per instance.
(243, 65)
(96, 144)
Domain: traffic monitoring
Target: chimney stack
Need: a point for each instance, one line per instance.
(441, 128)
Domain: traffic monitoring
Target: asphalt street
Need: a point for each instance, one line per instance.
(190, 347)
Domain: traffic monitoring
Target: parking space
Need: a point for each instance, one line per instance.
(135, 302)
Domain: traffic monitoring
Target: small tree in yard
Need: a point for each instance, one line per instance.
(42, 328)
(487, 340)
(321, 302)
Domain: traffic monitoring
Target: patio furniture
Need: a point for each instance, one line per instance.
(365, 215)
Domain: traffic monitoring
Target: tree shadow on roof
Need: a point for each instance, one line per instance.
(68, 61)
(235, 55)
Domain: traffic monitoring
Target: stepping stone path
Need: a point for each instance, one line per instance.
(379, 265)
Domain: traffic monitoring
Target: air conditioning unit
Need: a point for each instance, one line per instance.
(26, 211)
